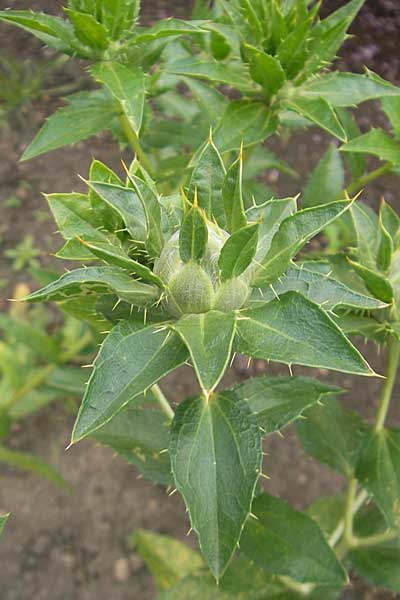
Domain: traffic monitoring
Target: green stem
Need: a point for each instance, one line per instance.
(134, 143)
(349, 512)
(387, 388)
(359, 183)
(344, 529)
(303, 589)
(374, 540)
(162, 401)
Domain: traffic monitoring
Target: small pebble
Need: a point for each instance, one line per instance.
(121, 570)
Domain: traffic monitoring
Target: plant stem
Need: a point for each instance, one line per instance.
(162, 401)
(344, 529)
(374, 540)
(387, 388)
(304, 589)
(349, 512)
(339, 529)
(134, 143)
(356, 185)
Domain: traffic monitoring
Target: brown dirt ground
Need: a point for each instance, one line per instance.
(67, 546)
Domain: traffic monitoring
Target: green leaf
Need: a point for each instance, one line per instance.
(31, 337)
(293, 233)
(322, 289)
(278, 401)
(378, 285)
(132, 358)
(286, 542)
(147, 194)
(168, 559)
(266, 70)
(326, 181)
(210, 101)
(244, 121)
(242, 581)
(377, 564)
(238, 251)
(378, 471)
(97, 280)
(53, 31)
(107, 215)
(234, 75)
(271, 213)
(88, 31)
(320, 112)
(366, 327)
(193, 235)
(390, 221)
(167, 28)
(208, 337)
(126, 85)
(288, 330)
(232, 196)
(28, 462)
(75, 217)
(127, 203)
(215, 450)
(207, 178)
(332, 435)
(116, 256)
(139, 436)
(87, 114)
(385, 247)
(292, 51)
(377, 143)
(366, 226)
(391, 107)
(346, 89)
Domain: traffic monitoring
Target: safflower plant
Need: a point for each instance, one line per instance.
(208, 265)
(195, 278)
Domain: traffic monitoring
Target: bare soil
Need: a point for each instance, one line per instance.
(68, 546)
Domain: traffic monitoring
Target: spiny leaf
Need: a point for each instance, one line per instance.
(291, 236)
(127, 85)
(215, 450)
(208, 337)
(378, 471)
(238, 251)
(376, 283)
(277, 401)
(207, 180)
(320, 112)
(193, 235)
(232, 196)
(332, 435)
(87, 114)
(116, 256)
(286, 542)
(288, 330)
(375, 142)
(322, 289)
(100, 280)
(139, 436)
(127, 203)
(132, 358)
